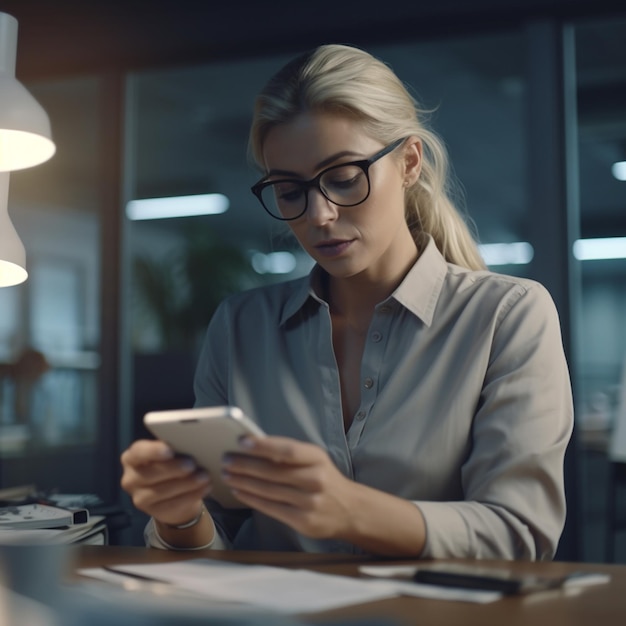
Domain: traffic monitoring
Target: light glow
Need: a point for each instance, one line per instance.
(516, 253)
(601, 248)
(618, 170)
(177, 206)
(11, 274)
(273, 263)
(19, 149)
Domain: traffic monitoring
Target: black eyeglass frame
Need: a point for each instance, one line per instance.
(363, 164)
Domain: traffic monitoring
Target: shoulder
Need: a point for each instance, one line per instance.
(436, 288)
(488, 282)
(267, 299)
(499, 292)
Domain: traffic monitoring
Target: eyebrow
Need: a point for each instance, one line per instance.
(319, 166)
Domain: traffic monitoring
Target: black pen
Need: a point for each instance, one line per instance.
(505, 583)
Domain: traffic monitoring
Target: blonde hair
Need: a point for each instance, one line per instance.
(349, 81)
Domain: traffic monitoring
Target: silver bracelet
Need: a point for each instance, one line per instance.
(190, 523)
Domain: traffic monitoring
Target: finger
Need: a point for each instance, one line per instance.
(296, 518)
(304, 513)
(309, 478)
(281, 450)
(269, 490)
(153, 474)
(145, 451)
(152, 497)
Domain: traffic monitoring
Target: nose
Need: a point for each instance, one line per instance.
(320, 210)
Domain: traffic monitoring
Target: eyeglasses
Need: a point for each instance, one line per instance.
(346, 184)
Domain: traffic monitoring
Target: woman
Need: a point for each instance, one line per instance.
(416, 403)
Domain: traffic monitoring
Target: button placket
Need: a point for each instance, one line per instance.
(371, 369)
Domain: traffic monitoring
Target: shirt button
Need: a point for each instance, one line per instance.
(385, 308)
(376, 336)
(368, 383)
(360, 415)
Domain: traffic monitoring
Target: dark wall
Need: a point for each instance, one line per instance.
(87, 36)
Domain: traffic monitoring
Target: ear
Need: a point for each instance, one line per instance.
(412, 160)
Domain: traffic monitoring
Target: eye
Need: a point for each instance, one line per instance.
(343, 178)
(288, 192)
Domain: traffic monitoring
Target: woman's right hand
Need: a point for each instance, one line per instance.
(168, 488)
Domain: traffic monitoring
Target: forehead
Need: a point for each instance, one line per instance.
(302, 144)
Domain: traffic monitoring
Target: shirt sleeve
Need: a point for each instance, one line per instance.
(211, 376)
(513, 483)
(211, 388)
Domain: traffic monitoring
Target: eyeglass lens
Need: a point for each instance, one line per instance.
(344, 185)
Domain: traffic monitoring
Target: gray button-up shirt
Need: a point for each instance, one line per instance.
(466, 405)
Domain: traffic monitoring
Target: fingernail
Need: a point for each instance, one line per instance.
(246, 442)
(166, 453)
(187, 465)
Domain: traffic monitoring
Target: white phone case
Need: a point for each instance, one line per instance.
(205, 434)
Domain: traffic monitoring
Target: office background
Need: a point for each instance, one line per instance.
(152, 99)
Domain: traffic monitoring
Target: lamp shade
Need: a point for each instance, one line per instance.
(12, 253)
(25, 135)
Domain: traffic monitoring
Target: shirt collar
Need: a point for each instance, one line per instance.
(418, 292)
(420, 289)
(304, 288)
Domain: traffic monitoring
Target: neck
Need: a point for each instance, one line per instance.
(354, 298)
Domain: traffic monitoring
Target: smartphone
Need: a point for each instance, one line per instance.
(486, 578)
(205, 434)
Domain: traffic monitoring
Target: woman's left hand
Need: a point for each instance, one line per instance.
(293, 482)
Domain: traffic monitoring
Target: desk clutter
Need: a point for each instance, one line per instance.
(40, 515)
(27, 515)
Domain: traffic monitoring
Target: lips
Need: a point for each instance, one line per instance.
(333, 247)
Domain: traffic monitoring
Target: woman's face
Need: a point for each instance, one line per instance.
(369, 239)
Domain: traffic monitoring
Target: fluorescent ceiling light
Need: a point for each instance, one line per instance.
(177, 206)
(602, 248)
(273, 263)
(516, 253)
(618, 170)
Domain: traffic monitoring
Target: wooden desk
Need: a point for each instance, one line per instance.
(600, 605)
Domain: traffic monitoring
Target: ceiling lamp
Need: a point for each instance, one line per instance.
(25, 137)
(25, 140)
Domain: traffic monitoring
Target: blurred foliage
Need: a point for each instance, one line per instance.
(180, 291)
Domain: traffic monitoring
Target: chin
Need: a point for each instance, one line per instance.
(339, 268)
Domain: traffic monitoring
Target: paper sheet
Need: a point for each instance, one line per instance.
(274, 588)
(285, 590)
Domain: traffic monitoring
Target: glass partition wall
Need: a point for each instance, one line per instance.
(601, 353)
